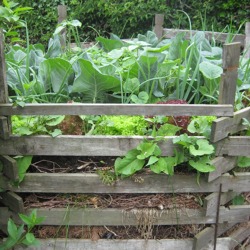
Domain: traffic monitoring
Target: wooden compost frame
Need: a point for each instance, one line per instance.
(221, 185)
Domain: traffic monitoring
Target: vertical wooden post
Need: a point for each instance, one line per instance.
(158, 28)
(62, 15)
(247, 41)
(230, 58)
(3, 82)
(4, 121)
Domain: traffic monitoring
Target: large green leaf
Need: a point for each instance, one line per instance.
(209, 70)
(109, 44)
(202, 147)
(92, 83)
(202, 164)
(54, 73)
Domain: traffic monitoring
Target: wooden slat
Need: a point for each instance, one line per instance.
(247, 41)
(211, 201)
(3, 82)
(234, 146)
(118, 217)
(239, 235)
(206, 237)
(218, 36)
(224, 126)
(152, 183)
(10, 168)
(222, 165)
(117, 109)
(131, 244)
(13, 201)
(77, 145)
(230, 59)
(158, 28)
(4, 128)
(105, 145)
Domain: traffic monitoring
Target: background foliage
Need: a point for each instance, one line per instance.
(128, 17)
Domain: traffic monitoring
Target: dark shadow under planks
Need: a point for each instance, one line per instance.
(152, 183)
(118, 109)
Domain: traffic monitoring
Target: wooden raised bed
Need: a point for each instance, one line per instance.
(220, 185)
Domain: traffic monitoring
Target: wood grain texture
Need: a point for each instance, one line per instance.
(211, 201)
(77, 145)
(218, 36)
(118, 109)
(118, 217)
(247, 41)
(13, 201)
(234, 146)
(3, 82)
(206, 237)
(158, 28)
(152, 183)
(10, 168)
(222, 165)
(4, 128)
(132, 244)
(224, 126)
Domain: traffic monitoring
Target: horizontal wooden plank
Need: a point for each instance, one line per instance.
(224, 126)
(152, 183)
(76, 145)
(132, 244)
(117, 109)
(218, 36)
(105, 145)
(234, 146)
(222, 165)
(119, 217)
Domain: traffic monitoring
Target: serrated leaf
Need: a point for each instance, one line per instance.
(243, 162)
(202, 147)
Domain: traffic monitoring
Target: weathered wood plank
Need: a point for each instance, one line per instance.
(62, 15)
(13, 201)
(117, 109)
(224, 126)
(118, 217)
(3, 82)
(234, 146)
(4, 128)
(218, 36)
(105, 145)
(211, 201)
(222, 165)
(206, 237)
(132, 244)
(247, 41)
(10, 168)
(230, 60)
(239, 235)
(152, 183)
(77, 145)
(158, 28)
